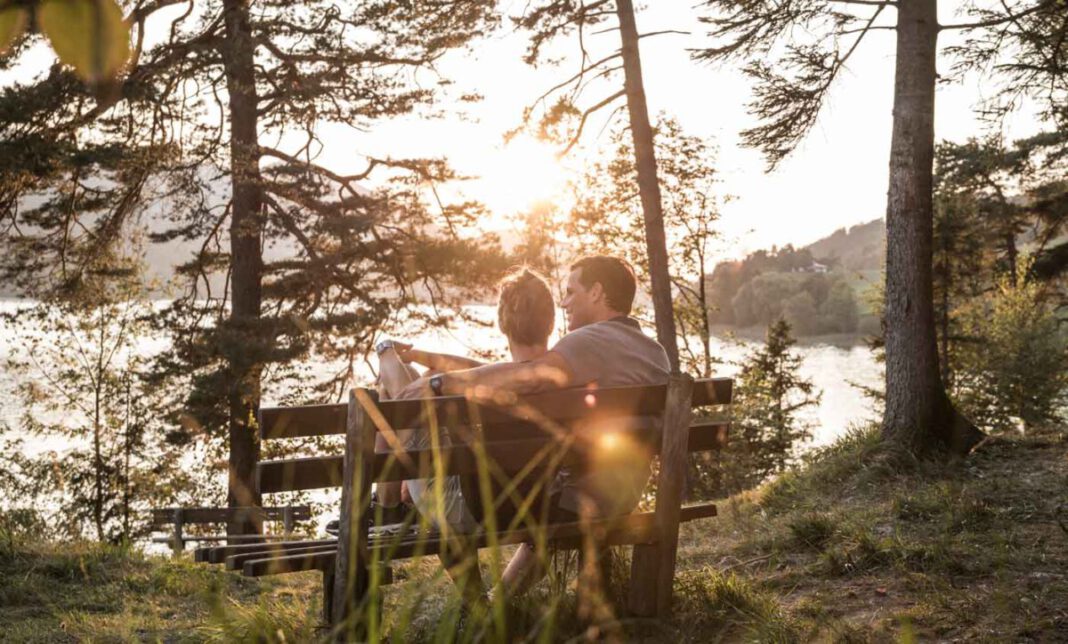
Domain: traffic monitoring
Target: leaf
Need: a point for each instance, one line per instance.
(12, 23)
(89, 35)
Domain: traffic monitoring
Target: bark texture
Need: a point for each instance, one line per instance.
(648, 185)
(919, 416)
(246, 225)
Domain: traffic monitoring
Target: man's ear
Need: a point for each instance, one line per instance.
(596, 293)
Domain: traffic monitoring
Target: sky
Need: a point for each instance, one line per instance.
(836, 178)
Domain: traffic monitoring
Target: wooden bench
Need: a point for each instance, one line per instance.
(179, 518)
(504, 435)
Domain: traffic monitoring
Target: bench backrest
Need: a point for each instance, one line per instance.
(561, 406)
(511, 428)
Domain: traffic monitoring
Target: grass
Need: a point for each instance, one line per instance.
(857, 546)
(76, 592)
(853, 547)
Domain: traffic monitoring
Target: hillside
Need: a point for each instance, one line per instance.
(859, 248)
(820, 289)
(851, 548)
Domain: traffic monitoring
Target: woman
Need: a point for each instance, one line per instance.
(526, 315)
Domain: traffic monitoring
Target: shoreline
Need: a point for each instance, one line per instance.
(756, 333)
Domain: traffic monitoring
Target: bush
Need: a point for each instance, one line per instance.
(19, 527)
(765, 430)
(1011, 369)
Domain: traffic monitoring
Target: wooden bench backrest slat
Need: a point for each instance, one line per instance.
(511, 456)
(560, 406)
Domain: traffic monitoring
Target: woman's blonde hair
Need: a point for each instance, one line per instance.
(525, 310)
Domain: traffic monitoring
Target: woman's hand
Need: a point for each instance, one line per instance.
(419, 388)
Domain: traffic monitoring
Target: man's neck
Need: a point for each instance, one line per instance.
(606, 315)
(525, 352)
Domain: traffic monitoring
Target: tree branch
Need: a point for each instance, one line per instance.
(993, 22)
(586, 115)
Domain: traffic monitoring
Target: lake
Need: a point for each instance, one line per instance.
(832, 369)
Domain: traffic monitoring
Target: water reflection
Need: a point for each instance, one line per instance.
(830, 368)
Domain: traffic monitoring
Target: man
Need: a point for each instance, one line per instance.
(604, 348)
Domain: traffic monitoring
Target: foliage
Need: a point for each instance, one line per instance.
(89, 35)
(210, 145)
(607, 218)
(1011, 367)
(765, 428)
(813, 303)
(83, 369)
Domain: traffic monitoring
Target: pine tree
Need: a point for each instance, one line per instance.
(795, 52)
(765, 427)
(211, 140)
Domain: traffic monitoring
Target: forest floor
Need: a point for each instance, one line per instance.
(849, 548)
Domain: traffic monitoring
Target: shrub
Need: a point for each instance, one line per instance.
(1011, 371)
(766, 429)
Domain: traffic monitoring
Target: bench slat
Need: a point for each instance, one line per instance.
(323, 420)
(317, 472)
(237, 561)
(165, 516)
(325, 471)
(323, 561)
(218, 554)
(634, 529)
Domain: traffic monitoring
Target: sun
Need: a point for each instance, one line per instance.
(519, 175)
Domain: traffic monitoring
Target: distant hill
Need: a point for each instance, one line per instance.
(859, 248)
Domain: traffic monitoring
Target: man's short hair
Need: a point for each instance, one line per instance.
(525, 310)
(615, 276)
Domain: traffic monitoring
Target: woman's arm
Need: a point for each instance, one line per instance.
(433, 360)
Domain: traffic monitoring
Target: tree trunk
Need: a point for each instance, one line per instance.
(947, 278)
(246, 223)
(706, 326)
(98, 458)
(919, 416)
(648, 185)
(1010, 251)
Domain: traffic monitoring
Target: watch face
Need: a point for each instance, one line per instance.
(435, 385)
(383, 345)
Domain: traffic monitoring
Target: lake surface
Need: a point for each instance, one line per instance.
(832, 369)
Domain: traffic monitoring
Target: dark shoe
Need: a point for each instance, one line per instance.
(390, 516)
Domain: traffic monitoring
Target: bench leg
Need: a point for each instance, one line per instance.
(177, 542)
(653, 567)
(287, 521)
(328, 595)
(641, 599)
(351, 579)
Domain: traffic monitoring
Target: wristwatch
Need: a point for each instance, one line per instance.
(436, 383)
(383, 345)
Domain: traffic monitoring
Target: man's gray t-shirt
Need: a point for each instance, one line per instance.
(613, 353)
